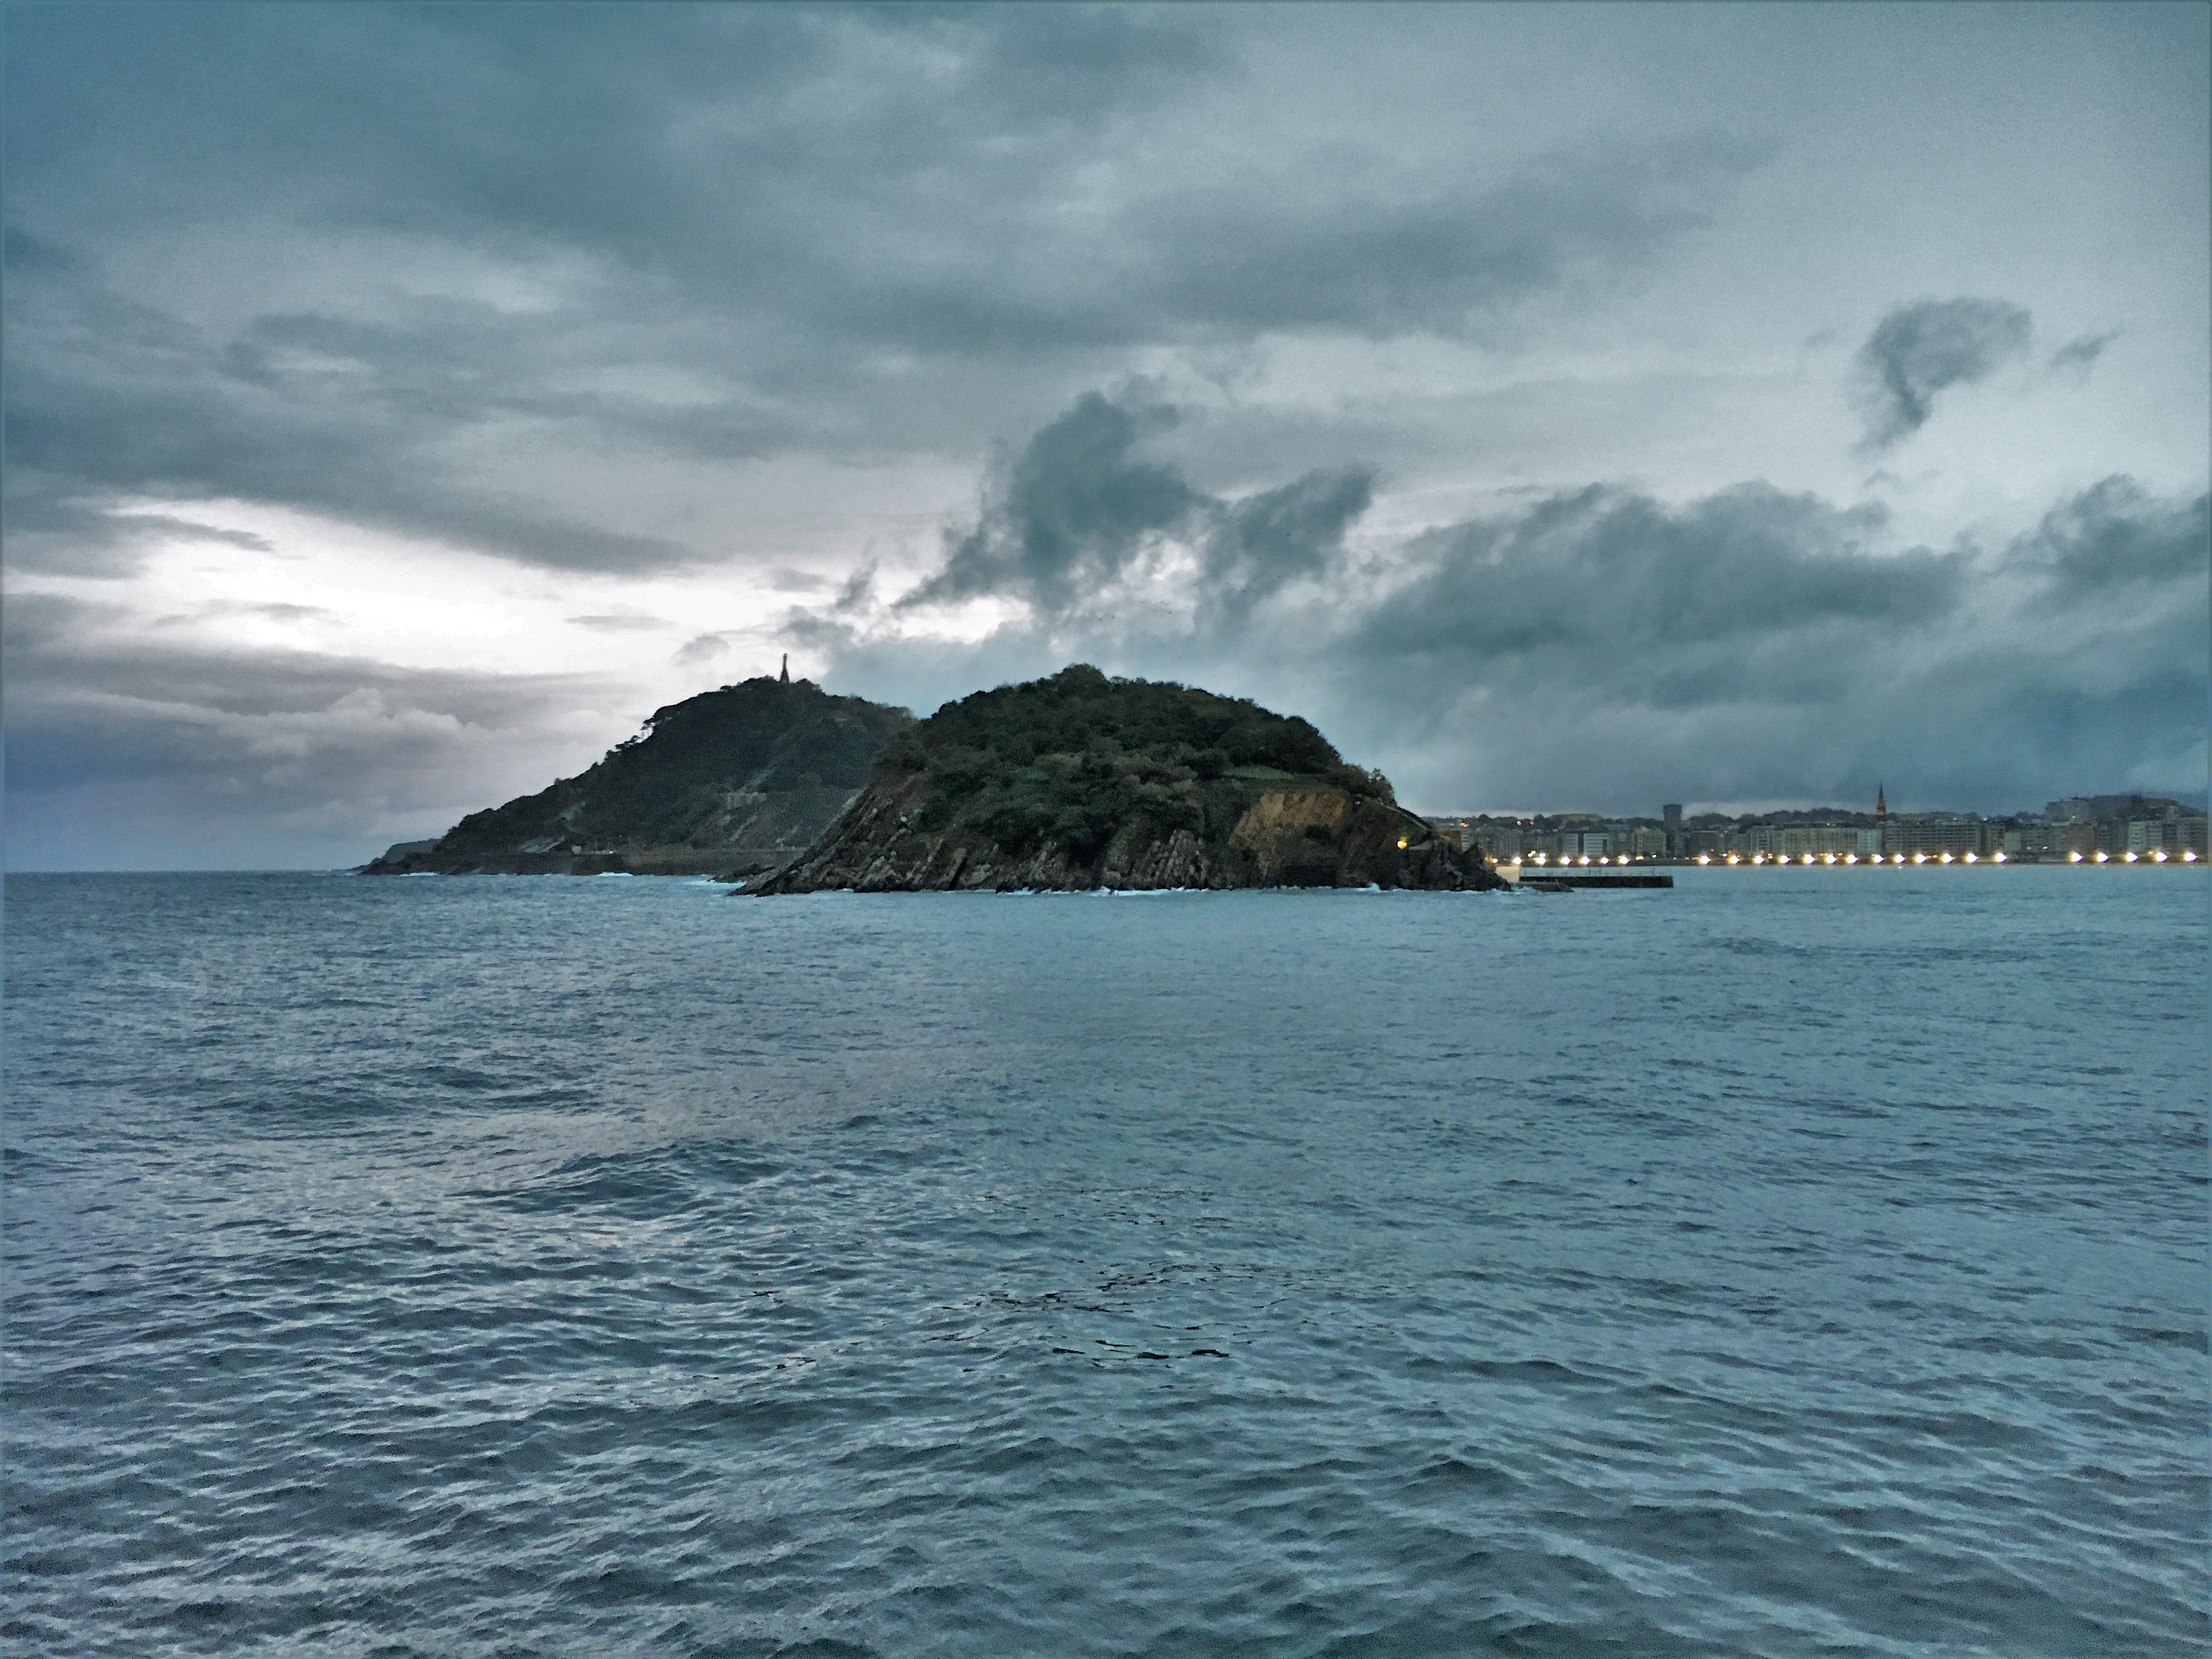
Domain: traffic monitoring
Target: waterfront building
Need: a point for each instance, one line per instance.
(1934, 836)
(1820, 839)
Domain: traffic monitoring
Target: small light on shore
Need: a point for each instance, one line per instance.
(1971, 859)
(2073, 858)
(2104, 858)
(2189, 856)
(1920, 858)
(1850, 857)
(1997, 857)
(1706, 858)
(2159, 857)
(2128, 857)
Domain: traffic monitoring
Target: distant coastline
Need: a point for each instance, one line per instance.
(2080, 829)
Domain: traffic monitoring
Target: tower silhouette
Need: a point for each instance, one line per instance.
(1881, 804)
(785, 679)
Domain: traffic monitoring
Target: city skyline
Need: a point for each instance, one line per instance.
(1740, 810)
(2075, 829)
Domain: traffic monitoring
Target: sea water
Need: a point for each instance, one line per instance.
(1795, 1263)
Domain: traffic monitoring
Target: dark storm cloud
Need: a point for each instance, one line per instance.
(1260, 544)
(1921, 350)
(790, 207)
(1069, 513)
(1748, 592)
(2117, 535)
(1597, 645)
(1079, 506)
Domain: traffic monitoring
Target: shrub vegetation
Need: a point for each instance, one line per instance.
(1079, 758)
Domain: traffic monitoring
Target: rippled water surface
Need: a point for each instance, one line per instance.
(1788, 1264)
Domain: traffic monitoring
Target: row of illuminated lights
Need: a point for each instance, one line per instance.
(1779, 860)
(1567, 861)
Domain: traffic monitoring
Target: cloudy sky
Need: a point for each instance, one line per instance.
(1565, 408)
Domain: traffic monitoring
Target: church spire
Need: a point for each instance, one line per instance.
(1881, 804)
(786, 677)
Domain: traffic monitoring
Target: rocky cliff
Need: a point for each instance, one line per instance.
(731, 781)
(1080, 781)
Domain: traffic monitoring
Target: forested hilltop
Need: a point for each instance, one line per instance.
(1082, 781)
(727, 782)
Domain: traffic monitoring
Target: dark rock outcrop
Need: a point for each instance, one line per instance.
(731, 782)
(1079, 781)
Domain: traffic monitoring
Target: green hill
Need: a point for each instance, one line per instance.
(1082, 781)
(739, 779)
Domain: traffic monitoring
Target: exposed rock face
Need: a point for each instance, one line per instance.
(1079, 781)
(731, 781)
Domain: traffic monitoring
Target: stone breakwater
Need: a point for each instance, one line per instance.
(1301, 837)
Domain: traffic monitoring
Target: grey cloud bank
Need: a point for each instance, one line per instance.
(1792, 647)
(379, 378)
(144, 744)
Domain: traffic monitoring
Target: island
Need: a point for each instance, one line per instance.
(1081, 781)
(731, 782)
